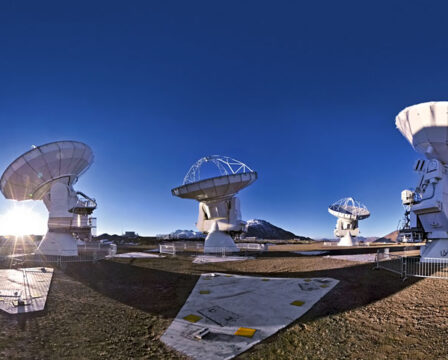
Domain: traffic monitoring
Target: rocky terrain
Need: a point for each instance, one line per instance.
(119, 310)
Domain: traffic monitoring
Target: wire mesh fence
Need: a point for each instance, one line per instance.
(414, 266)
(89, 252)
(197, 247)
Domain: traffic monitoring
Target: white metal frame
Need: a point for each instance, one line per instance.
(226, 165)
(351, 206)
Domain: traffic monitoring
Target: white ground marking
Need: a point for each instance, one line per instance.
(357, 257)
(253, 307)
(24, 290)
(137, 255)
(202, 259)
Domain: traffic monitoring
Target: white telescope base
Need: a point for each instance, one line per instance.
(59, 244)
(433, 251)
(218, 241)
(347, 240)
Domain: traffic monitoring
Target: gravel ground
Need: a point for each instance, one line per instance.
(119, 309)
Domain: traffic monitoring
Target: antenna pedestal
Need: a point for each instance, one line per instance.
(218, 241)
(436, 249)
(430, 210)
(347, 230)
(347, 240)
(60, 244)
(63, 222)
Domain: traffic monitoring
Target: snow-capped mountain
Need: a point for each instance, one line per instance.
(263, 229)
(260, 229)
(183, 234)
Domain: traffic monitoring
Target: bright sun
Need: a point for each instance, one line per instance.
(21, 220)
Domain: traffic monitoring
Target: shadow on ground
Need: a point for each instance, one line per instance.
(163, 292)
(159, 292)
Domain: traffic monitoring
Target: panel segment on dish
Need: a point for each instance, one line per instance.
(48, 173)
(425, 126)
(349, 212)
(219, 208)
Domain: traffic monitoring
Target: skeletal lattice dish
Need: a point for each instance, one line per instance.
(219, 208)
(48, 173)
(349, 212)
(425, 126)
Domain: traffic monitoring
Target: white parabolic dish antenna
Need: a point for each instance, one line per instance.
(48, 173)
(349, 212)
(425, 126)
(219, 208)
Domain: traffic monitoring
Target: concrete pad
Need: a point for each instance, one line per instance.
(137, 255)
(310, 253)
(24, 290)
(239, 312)
(203, 259)
(356, 257)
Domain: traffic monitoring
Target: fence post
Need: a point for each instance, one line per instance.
(403, 268)
(377, 260)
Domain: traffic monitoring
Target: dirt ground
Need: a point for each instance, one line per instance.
(119, 309)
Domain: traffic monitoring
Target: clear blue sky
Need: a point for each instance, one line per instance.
(304, 92)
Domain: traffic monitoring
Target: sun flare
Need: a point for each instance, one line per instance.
(22, 220)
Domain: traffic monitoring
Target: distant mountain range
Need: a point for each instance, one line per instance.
(263, 229)
(257, 228)
(359, 238)
(183, 234)
(260, 229)
(389, 238)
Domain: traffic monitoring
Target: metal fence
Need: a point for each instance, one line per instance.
(407, 266)
(167, 249)
(180, 247)
(90, 252)
(252, 246)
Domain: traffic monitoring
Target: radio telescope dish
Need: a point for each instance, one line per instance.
(349, 212)
(48, 173)
(30, 176)
(425, 126)
(219, 208)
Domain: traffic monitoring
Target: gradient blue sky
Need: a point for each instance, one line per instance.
(304, 92)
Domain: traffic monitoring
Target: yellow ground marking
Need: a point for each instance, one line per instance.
(246, 332)
(204, 292)
(298, 303)
(192, 318)
(324, 286)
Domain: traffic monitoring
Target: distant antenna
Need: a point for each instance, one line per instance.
(48, 173)
(349, 212)
(219, 208)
